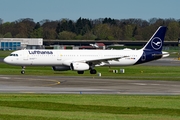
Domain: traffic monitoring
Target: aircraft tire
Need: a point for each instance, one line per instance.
(80, 72)
(93, 71)
(22, 72)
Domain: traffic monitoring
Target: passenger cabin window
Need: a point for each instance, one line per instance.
(13, 54)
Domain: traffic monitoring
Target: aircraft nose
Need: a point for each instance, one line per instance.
(7, 60)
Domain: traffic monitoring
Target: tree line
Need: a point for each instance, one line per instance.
(87, 29)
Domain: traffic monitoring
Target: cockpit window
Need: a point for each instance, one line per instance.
(13, 54)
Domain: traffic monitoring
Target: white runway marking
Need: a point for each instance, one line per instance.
(5, 78)
(139, 83)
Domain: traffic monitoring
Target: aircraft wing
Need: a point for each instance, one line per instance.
(94, 62)
(103, 61)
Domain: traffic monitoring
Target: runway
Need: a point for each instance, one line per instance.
(88, 85)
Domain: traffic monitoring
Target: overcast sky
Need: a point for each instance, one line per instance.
(11, 10)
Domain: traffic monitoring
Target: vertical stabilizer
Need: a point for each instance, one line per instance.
(153, 49)
(156, 41)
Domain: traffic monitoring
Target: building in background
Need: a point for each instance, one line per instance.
(20, 43)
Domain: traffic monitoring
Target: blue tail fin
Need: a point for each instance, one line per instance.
(153, 49)
(156, 41)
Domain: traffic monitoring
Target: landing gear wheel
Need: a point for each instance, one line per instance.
(80, 72)
(22, 71)
(93, 71)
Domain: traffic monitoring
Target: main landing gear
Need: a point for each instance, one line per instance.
(80, 72)
(23, 70)
(92, 71)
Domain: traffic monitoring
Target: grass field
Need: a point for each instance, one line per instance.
(4, 53)
(138, 72)
(88, 107)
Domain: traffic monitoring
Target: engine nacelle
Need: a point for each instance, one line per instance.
(61, 68)
(77, 66)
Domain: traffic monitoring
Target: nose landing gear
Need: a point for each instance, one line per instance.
(23, 70)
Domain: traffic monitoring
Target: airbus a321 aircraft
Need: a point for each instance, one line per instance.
(82, 60)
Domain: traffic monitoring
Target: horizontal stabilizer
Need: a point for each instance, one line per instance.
(164, 54)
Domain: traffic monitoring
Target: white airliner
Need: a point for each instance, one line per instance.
(82, 60)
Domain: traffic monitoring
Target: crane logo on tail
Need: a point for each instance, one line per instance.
(156, 43)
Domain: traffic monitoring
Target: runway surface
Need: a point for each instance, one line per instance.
(81, 85)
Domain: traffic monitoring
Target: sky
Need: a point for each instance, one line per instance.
(38, 10)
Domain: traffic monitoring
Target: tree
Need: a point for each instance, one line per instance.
(109, 21)
(37, 26)
(24, 27)
(128, 32)
(89, 36)
(49, 34)
(137, 33)
(37, 33)
(1, 21)
(103, 32)
(6, 27)
(1, 36)
(173, 32)
(117, 32)
(49, 29)
(65, 25)
(102, 28)
(83, 26)
(65, 35)
(8, 35)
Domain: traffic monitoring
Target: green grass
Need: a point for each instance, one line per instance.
(88, 107)
(4, 53)
(138, 72)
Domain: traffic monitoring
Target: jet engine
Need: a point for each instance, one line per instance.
(61, 68)
(77, 66)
